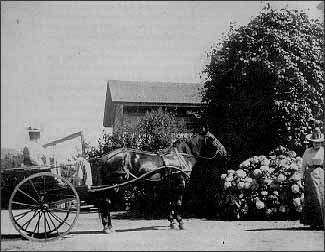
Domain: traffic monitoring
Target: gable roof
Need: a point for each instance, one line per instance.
(154, 92)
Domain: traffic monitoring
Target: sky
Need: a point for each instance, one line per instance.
(56, 57)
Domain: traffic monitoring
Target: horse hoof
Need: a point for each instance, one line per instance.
(181, 227)
(108, 230)
(172, 226)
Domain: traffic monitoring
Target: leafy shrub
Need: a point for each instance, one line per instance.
(158, 129)
(12, 161)
(154, 132)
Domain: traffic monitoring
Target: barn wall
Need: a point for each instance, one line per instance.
(118, 118)
(129, 115)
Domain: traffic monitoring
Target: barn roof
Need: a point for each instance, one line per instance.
(154, 92)
(149, 93)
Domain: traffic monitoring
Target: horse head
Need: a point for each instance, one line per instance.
(206, 147)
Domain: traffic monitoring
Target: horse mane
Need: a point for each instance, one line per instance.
(182, 145)
(124, 150)
(113, 153)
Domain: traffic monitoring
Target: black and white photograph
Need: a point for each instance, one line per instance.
(162, 126)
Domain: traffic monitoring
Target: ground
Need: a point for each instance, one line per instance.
(200, 234)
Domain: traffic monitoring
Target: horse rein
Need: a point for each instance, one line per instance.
(199, 156)
(209, 158)
(196, 156)
(180, 159)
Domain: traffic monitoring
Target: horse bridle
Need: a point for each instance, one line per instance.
(217, 152)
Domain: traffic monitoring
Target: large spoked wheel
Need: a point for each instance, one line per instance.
(44, 206)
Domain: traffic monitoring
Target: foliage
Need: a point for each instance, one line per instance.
(11, 161)
(264, 83)
(108, 142)
(158, 129)
(155, 131)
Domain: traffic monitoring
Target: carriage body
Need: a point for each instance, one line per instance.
(11, 177)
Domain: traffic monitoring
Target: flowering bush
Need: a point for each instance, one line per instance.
(266, 187)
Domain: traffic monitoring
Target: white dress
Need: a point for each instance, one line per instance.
(311, 157)
(312, 171)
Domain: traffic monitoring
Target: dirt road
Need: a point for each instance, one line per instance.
(155, 235)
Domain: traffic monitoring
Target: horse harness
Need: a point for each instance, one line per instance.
(128, 173)
(180, 157)
(124, 169)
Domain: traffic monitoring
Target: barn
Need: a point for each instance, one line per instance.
(127, 101)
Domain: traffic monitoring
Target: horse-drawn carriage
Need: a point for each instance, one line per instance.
(45, 206)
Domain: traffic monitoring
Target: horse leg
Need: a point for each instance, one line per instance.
(180, 189)
(171, 203)
(178, 211)
(171, 215)
(104, 210)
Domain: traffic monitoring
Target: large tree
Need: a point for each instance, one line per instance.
(264, 83)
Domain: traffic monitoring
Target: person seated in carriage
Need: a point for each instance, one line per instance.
(34, 153)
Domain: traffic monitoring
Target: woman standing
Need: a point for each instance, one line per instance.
(312, 172)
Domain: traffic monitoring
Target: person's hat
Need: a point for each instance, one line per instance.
(34, 133)
(315, 136)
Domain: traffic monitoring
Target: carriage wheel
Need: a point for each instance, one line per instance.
(44, 206)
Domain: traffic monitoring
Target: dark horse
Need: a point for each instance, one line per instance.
(123, 165)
